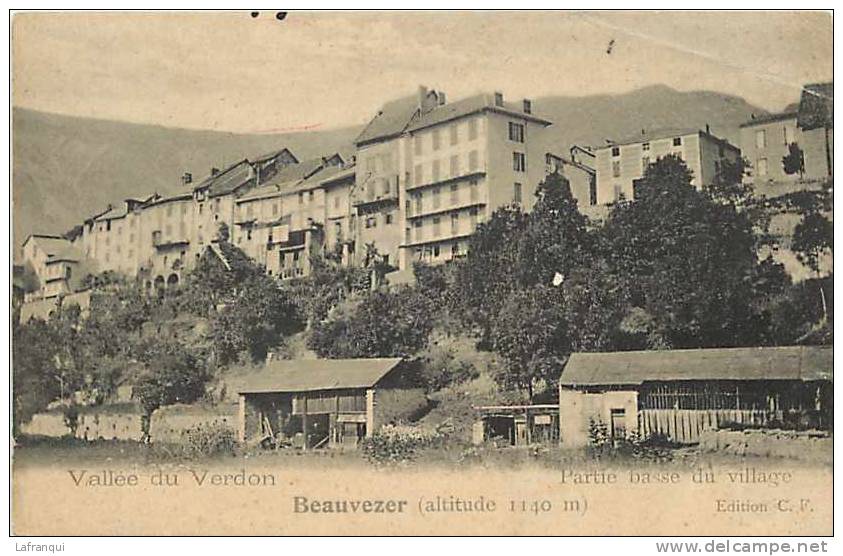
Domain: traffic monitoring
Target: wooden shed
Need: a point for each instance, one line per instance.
(325, 402)
(675, 394)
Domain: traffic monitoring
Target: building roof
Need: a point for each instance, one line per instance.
(816, 106)
(336, 174)
(274, 154)
(647, 136)
(114, 212)
(758, 363)
(391, 120)
(468, 106)
(228, 180)
(308, 375)
(769, 118)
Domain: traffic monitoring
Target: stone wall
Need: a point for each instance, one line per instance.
(91, 426)
(815, 446)
(171, 424)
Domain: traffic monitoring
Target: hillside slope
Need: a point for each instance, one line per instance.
(66, 168)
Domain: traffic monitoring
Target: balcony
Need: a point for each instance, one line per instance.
(479, 172)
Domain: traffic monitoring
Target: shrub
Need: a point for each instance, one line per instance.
(397, 444)
(209, 439)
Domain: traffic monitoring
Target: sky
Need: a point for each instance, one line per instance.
(230, 71)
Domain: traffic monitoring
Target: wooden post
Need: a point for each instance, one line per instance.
(304, 420)
(241, 419)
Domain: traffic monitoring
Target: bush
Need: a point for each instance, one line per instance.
(397, 444)
(210, 439)
(204, 440)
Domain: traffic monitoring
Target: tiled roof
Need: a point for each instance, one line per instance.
(467, 106)
(758, 363)
(816, 107)
(337, 173)
(228, 179)
(308, 375)
(390, 121)
(115, 212)
(270, 155)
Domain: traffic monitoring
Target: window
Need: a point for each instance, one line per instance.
(386, 188)
(616, 168)
(645, 161)
(418, 173)
(388, 218)
(201, 206)
(435, 171)
(371, 222)
(436, 226)
(417, 145)
(275, 208)
(762, 167)
(618, 192)
(472, 214)
(645, 146)
(677, 141)
(519, 162)
(108, 225)
(788, 135)
(301, 197)
(516, 132)
(472, 129)
(419, 230)
(310, 196)
(472, 187)
(455, 222)
(592, 191)
(455, 166)
(455, 134)
(436, 139)
(473, 161)
(616, 151)
(454, 193)
(516, 193)
(418, 202)
(760, 139)
(436, 192)
(435, 250)
(337, 202)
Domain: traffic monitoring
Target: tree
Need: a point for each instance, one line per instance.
(794, 161)
(531, 334)
(173, 374)
(379, 324)
(812, 238)
(555, 237)
(36, 379)
(685, 259)
(489, 272)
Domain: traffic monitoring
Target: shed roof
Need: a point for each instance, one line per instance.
(788, 114)
(308, 375)
(757, 363)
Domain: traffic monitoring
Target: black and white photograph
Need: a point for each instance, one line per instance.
(422, 273)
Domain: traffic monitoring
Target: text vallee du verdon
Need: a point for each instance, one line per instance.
(114, 479)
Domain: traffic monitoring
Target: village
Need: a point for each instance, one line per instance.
(407, 207)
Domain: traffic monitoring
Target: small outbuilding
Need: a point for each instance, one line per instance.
(675, 394)
(326, 402)
(516, 425)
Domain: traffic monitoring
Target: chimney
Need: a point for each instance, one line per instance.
(441, 98)
(422, 98)
(215, 171)
(498, 98)
(187, 178)
(528, 106)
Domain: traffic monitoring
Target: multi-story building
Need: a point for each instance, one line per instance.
(429, 171)
(581, 177)
(621, 163)
(56, 263)
(766, 141)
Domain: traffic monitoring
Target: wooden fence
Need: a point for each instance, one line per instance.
(684, 425)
